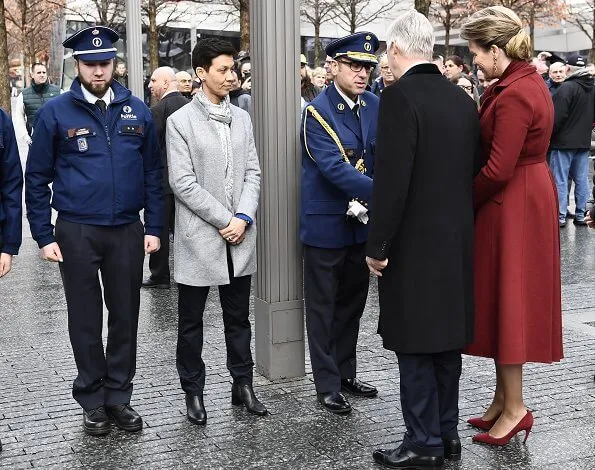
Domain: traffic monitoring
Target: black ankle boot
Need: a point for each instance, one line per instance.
(244, 395)
(195, 409)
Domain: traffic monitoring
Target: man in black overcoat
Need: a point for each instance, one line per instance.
(420, 240)
(164, 87)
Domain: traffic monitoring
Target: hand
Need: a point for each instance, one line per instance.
(247, 85)
(152, 244)
(234, 230)
(51, 252)
(239, 240)
(589, 220)
(5, 263)
(376, 266)
(544, 55)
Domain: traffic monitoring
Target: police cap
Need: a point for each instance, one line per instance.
(93, 44)
(359, 47)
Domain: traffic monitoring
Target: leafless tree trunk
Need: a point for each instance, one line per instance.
(244, 25)
(4, 83)
(423, 6)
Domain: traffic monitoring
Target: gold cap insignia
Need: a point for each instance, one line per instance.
(367, 46)
(341, 107)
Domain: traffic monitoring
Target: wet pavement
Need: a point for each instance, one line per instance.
(40, 423)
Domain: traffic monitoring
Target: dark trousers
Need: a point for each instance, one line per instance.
(159, 261)
(118, 253)
(336, 288)
(430, 399)
(235, 303)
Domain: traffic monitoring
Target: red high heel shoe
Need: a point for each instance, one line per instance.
(481, 423)
(524, 424)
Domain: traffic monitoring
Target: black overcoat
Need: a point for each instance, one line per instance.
(422, 212)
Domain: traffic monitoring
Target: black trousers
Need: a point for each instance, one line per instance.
(118, 253)
(159, 261)
(430, 399)
(336, 288)
(235, 303)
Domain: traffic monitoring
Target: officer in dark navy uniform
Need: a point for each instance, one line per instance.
(338, 139)
(97, 146)
(11, 193)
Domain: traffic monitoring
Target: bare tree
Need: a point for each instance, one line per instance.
(353, 14)
(110, 13)
(583, 16)
(423, 6)
(450, 13)
(317, 12)
(4, 84)
(532, 12)
(31, 23)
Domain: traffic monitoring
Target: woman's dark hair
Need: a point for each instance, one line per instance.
(455, 60)
(207, 49)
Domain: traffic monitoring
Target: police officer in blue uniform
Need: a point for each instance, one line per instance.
(97, 145)
(338, 136)
(11, 190)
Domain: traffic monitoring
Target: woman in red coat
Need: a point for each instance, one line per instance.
(517, 244)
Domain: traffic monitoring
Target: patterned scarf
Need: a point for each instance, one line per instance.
(221, 114)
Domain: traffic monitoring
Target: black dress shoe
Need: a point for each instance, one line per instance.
(195, 409)
(96, 422)
(125, 417)
(156, 284)
(452, 449)
(358, 388)
(405, 458)
(335, 402)
(244, 395)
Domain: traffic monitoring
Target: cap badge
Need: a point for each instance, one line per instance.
(367, 46)
(341, 107)
(95, 32)
(368, 37)
(97, 42)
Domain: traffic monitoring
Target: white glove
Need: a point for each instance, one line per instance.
(355, 209)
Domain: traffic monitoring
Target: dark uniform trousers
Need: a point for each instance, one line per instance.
(159, 261)
(430, 399)
(336, 288)
(117, 252)
(235, 303)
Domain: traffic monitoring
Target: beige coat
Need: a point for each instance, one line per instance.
(197, 178)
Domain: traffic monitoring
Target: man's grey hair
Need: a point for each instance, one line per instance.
(570, 69)
(413, 35)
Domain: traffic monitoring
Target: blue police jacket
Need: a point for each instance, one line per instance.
(334, 143)
(11, 189)
(104, 169)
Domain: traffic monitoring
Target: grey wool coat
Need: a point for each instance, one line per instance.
(197, 177)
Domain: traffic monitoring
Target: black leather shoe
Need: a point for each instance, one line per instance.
(125, 417)
(244, 395)
(405, 458)
(452, 449)
(156, 284)
(195, 409)
(335, 402)
(358, 388)
(96, 422)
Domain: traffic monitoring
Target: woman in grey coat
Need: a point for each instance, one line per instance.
(215, 177)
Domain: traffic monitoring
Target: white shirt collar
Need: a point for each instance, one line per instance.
(348, 100)
(91, 98)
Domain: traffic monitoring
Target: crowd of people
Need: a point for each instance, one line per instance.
(377, 153)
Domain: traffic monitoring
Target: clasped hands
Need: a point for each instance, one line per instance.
(235, 232)
(376, 265)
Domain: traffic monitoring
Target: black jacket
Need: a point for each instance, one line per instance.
(424, 158)
(573, 112)
(168, 105)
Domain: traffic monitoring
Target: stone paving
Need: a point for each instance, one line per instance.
(40, 423)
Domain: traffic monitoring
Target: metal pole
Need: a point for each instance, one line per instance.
(279, 305)
(134, 49)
